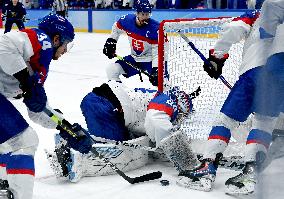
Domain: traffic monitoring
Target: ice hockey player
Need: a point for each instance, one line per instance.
(24, 62)
(142, 33)
(14, 12)
(116, 112)
(243, 100)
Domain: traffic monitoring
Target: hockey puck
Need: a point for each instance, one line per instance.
(164, 182)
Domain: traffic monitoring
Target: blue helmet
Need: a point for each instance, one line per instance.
(54, 24)
(143, 6)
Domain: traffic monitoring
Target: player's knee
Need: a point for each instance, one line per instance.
(113, 71)
(227, 122)
(25, 143)
(264, 123)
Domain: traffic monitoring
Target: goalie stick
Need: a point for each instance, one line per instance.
(66, 126)
(202, 57)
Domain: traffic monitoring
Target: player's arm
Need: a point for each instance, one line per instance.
(22, 13)
(231, 33)
(234, 32)
(272, 14)
(110, 44)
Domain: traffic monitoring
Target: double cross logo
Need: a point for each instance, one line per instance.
(138, 46)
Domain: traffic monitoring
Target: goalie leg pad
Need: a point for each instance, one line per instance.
(76, 167)
(178, 150)
(125, 158)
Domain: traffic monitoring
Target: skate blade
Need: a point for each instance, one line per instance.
(236, 191)
(203, 184)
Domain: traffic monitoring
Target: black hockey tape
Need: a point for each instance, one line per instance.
(164, 182)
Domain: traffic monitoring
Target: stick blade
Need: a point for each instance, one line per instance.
(146, 177)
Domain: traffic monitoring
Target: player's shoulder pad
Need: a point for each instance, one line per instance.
(39, 39)
(154, 24)
(248, 17)
(251, 14)
(129, 18)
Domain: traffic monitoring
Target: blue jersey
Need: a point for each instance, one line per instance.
(143, 39)
(43, 52)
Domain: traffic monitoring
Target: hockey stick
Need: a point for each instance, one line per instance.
(135, 67)
(232, 163)
(66, 126)
(202, 57)
(125, 144)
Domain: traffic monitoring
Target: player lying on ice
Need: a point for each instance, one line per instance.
(24, 62)
(255, 91)
(117, 112)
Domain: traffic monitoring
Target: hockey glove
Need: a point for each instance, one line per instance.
(110, 48)
(214, 70)
(81, 143)
(154, 76)
(33, 92)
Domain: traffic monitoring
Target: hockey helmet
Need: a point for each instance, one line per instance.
(143, 6)
(54, 24)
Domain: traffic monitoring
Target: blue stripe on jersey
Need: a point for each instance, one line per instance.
(4, 158)
(18, 162)
(163, 102)
(221, 133)
(260, 137)
(149, 31)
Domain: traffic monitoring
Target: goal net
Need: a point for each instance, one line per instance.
(185, 68)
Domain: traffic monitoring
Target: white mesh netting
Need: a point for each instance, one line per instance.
(185, 69)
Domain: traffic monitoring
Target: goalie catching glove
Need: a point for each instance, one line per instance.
(81, 143)
(214, 70)
(110, 48)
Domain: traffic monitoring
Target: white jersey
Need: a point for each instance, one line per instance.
(272, 14)
(143, 40)
(134, 103)
(245, 28)
(15, 51)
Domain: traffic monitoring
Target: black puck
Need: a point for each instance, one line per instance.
(164, 182)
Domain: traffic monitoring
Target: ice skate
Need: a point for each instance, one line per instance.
(200, 178)
(244, 183)
(5, 192)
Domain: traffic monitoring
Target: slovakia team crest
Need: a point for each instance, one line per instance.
(138, 46)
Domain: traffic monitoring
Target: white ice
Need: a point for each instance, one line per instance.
(69, 80)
